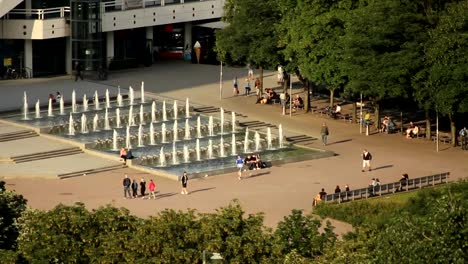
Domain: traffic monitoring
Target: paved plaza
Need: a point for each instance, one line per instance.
(274, 191)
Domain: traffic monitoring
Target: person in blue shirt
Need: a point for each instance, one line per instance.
(240, 166)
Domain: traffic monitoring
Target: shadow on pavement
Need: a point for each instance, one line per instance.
(340, 141)
(202, 190)
(164, 195)
(257, 175)
(382, 167)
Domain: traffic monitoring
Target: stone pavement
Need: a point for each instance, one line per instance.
(274, 191)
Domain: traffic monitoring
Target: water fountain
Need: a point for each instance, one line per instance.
(131, 118)
(85, 103)
(142, 115)
(62, 106)
(152, 142)
(140, 136)
(175, 131)
(222, 120)
(233, 145)
(142, 95)
(164, 114)
(257, 141)
(174, 154)
(25, 107)
(233, 122)
(162, 157)
(84, 125)
(117, 118)
(187, 108)
(280, 136)
(119, 98)
(71, 126)
(38, 109)
(114, 140)
(153, 112)
(197, 149)
(221, 147)
(246, 140)
(106, 120)
(199, 135)
(175, 109)
(186, 154)
(187, 129)
(163, 133)
(210, 126)
(96, 101)
(130, 95)
(269, 146)
(127, 138)
(95, 123)
(210, 149)
(108, 105)
(49, 111)
(74, 110)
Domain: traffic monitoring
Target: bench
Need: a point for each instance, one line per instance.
(388, 189)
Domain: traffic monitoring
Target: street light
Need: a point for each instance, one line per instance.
(221, 82)
(290, 95)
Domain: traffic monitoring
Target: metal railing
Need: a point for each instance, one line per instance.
(41, 14)
(389, 188)
(120, 5)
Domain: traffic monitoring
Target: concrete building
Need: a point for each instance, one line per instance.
(47, 37)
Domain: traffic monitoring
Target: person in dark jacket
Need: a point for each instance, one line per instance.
(135, 189)
(126, 184)
(184, 181)
(142, 188)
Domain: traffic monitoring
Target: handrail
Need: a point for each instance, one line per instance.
(121, 5)
(41, 14)
(388, 188)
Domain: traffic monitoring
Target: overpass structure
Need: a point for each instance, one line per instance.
(29, 29)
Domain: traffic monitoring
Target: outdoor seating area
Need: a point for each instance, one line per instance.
(388, 189)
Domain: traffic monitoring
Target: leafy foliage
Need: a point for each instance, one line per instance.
(12, 206)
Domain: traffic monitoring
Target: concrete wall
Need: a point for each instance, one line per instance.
(34, 28)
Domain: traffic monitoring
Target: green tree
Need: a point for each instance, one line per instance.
(448, 60)
(250, 36)
(300, 233)
(12, 206)
(382, 48)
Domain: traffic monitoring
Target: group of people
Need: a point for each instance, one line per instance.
(387, 126)
(126, 154)
(133, 186)
(251, 162)
(56, 98)
(412, 131)
(321, 195)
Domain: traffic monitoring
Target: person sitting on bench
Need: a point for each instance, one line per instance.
(403, 181)
(337, 111)
(298, 102)
(412, 131)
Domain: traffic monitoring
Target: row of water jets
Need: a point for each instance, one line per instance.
(74, 108)
(210, 148)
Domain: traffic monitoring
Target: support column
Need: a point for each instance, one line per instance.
(149, 44)
(68, 56)
(188, 35)
(109, 47)
(28, 7)
(28, 56)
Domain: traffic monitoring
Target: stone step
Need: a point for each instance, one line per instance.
(90, 171)
(47, 155)
(17, 135)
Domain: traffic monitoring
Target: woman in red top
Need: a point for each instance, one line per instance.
(152, 187)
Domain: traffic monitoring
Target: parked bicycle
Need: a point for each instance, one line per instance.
(11, 73)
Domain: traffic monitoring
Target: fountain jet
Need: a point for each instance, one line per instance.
(130, 95)
(187, 129)
(71, 126)
(38, 109)
(25, 106)
(153, 112)
(106, 121)
(49, 111)
(142, 94)
(73, 102)
(187, 108)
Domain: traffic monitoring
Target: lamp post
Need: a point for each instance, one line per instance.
(437, 131)
(221, 82)
(360, 117)
(290, 95)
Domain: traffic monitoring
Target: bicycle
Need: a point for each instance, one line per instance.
(23, 73)
(11, 73)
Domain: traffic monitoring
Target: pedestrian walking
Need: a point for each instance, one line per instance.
(366, 159)
(135, 189)
(126, 184)
(184, 180)
(324, 132)
(240, 166)
(142, 188)
(464, 138)
(78, 71)
(152, 187)
(236, 87)
(250, 74)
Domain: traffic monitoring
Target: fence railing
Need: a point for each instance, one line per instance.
(119, 5)
(41, 14)
(389, 188)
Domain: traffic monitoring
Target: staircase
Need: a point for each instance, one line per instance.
(90, 171)
(17, 135)
(7, 5)
(47, 155)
